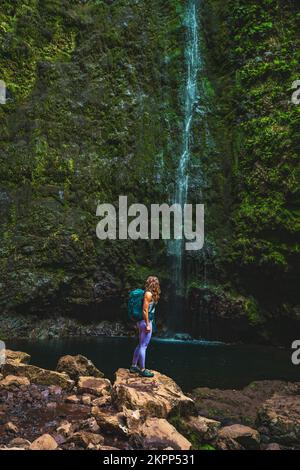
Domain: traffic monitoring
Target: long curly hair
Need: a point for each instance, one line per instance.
(152, 285)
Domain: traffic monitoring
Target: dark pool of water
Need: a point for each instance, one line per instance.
(191, 364)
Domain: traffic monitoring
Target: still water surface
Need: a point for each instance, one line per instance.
(190, 363)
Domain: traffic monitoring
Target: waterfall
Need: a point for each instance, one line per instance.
(193, 62)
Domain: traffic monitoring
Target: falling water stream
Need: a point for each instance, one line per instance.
(193, 62)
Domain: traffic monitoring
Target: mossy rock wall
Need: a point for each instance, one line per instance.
(252, 60)
(92, 113)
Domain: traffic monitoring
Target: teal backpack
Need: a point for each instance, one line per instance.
(135, 305)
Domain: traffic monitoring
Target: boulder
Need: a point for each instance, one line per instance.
(19, 442)
(13, 380)
(245, 436)
(44, 442)
(94, 386)
(90, 424)
(280, 418)
(73, 399)
(76, 366)
(273, 446)
(203, 429)
(159, 434)
(111, 422)
(133, 419)
(11, 428)
(65, 429)
(228, 444)
(85, 438)
(235, 406)
(158, 397)
(37, 375)
(17, 356)
(102, 401)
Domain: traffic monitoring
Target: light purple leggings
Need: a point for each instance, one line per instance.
(139, 355)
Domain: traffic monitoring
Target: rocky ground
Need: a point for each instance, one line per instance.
(76, 407)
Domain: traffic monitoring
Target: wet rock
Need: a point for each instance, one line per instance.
(86, 399)
(44, 442)
(76, 366)
(133, 418)
(245, 436)
(158, 434)
(280, 418)
(19, 442)
(17, 356)
(66, 429)
(73, 399)
(37, 375)
(228, 444)
(204, 429)
(45, 394)
(11, 428)
(111, 422)
(92, 446)
(94, 386)
(108, 448)
(12, 448)
(13, 380)
(159, 396)
(235, 406)
(273, 446)
(102, 401)
(183, 337)
(52, 405)
(84, 438)
(90, 424)
(55, 390)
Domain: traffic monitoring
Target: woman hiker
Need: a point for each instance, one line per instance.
(150, 300)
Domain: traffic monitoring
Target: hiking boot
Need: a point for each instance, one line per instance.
(134, 370)
(146, 373)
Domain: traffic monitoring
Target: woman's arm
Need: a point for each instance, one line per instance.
(147, 300)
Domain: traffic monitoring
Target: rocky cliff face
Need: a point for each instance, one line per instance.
(252, 259)
(95, 110)
(92, 113)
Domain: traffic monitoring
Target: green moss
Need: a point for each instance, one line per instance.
(197, 444)
(91, 102)
(252, 311)
(252, 60)
(206, 447)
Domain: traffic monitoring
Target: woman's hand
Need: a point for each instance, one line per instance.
(148, 327)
